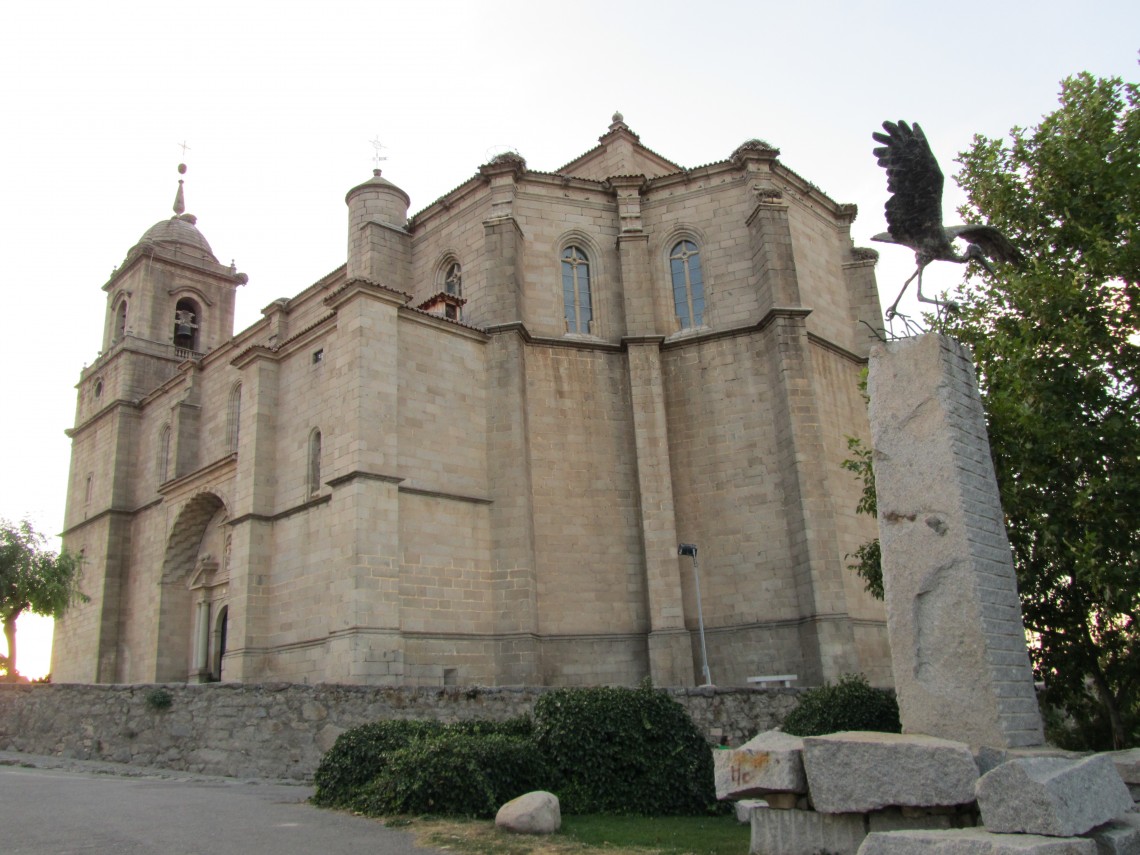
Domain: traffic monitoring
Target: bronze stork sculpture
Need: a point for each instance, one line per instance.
(914, 211)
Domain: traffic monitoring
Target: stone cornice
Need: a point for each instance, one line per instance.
(117, 512)
(138, 254)
(368, 288)
(204, 473)
(545, 341)
(359, 474)
(104, 412)
(280, 515)
(819, 341)
(440, 494)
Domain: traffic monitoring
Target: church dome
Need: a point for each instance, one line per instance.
(179, 232)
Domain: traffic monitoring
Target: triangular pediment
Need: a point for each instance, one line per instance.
(619, 152)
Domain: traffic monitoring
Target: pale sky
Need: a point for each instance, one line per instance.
(278, 103)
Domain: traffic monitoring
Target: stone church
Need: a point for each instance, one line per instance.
(468, 455)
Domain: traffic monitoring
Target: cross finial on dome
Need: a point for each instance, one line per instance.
(179, 198)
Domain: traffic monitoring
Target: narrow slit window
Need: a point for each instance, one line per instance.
(314, 462)
(234, 417)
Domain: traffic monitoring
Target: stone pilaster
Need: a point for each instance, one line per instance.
(773, 261)
(826, 633)
(251, 545)
(953, 615)
(362, 478)
(670, 646)
(863, 292)
(502, 251)
(513, 581)
(184, 428)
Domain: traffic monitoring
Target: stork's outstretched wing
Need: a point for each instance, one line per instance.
(992, 242)
(914, 211)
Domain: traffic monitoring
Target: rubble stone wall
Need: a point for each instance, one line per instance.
(281, 730)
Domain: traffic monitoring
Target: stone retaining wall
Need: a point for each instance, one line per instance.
(280, 730)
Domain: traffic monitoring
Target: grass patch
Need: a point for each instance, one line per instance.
(676, 835)
(595, 835)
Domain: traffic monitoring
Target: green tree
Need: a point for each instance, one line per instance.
(33, 578)
(1057, 346)
(867, 564)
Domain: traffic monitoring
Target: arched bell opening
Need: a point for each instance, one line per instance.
(187, 323)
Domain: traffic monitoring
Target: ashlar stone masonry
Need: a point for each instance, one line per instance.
(466, 456)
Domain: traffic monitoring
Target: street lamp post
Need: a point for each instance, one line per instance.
(690, 549)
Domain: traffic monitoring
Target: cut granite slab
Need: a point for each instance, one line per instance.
(805, 832)
(972, 841)
(859, 771)
(770, 762)
(744, 808)
(1052, 796)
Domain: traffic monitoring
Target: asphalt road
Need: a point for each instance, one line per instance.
(60, 811)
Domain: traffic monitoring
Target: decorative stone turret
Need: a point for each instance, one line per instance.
(378, 243)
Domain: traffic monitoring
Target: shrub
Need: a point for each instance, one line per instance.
(360, 754)
(457, 773)
(158, 700)
(627, 751)
(850, 704)
(363, 753)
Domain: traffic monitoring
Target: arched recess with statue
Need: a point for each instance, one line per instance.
(194, 594)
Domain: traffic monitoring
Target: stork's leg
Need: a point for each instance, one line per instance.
(890, 313)
(950, 304)
(921, 297)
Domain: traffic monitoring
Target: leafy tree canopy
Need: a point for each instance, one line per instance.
(1057, 345)
(33, 578)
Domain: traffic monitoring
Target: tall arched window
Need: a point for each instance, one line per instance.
(186, 323)
(576, 290)
(233, 426)
(315, 461)
(688, 284)
(164, 455)
(453, 280)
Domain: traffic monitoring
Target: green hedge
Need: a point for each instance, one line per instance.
(850, 704)
(454, 773)
(601, 750)
(618, 750)
(362, 753)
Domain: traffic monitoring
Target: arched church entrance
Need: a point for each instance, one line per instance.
(194, 592)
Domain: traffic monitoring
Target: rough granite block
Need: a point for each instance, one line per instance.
(771, 762)
(857, 772)
(1127, 764)
(989, 757)
(972, 841)
(1052, 796)
(1119, 837)
(805, 832)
